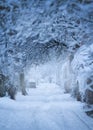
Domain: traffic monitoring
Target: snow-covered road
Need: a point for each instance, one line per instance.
(45, 108)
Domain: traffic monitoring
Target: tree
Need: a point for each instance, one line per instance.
(22, 84)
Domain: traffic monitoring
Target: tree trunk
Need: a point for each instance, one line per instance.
(22, 84)
(2, 86)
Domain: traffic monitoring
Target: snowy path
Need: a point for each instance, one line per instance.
(45, 108)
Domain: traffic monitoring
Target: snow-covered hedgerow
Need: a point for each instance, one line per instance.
(77, 74)
(82, 66)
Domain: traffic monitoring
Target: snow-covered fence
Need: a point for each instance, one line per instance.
(32, 85)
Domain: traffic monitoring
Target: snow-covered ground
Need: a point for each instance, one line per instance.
(44, 108)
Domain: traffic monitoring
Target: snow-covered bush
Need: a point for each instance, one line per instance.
(12, 91)
(82, 66)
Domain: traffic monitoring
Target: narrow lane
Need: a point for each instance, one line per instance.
(45, 108)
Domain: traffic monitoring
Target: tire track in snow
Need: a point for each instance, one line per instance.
(57, 118)
(45, 122)
(82, 120)
(73, 121)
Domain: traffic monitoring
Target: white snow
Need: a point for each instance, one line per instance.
(44, 108)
